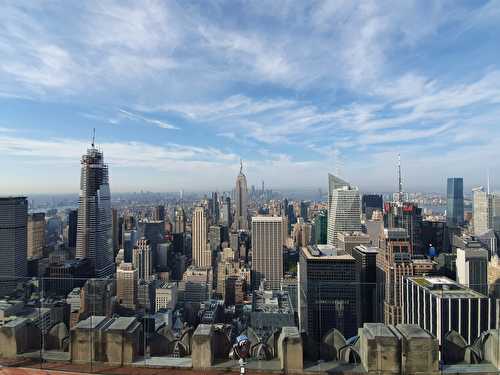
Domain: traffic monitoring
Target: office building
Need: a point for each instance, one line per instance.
(406, 215)
(159, 213)
(226, 212)
(241, 200)
(344, 209)
(455, 202)
(472, 268)
(202, 256)
(304, 206)
(13, 242)
(482, 206)
(267, 251)
(366, 267)
(215, 237)
(214, 208)
(165, 296)
(394, 261)
(198, 284)
(72, 228)
(440, 305)
(328, 291)
(142, 259)
(36, 234)
(347, 241)
(126, 285)
(370, 203)
(95, 231)
(320, 228)
(180, 220)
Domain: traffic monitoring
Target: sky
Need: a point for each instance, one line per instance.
(180, 91)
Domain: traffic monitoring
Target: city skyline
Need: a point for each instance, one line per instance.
(181, 93)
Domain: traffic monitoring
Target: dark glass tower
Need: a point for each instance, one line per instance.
(455, 201)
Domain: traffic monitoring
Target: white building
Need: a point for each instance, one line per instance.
(344, 209)
(165, 296)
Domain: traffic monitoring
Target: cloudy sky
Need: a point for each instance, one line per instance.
(179, 91)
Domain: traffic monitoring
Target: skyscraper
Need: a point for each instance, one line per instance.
(267, 251)
(95, 235)
(159, 213)
(214, 208)
(180, 220)
(482, 210)
(455, 201)
(328, 291)
(202, 256)
(472, 268)
(370, 203)
(72, 228)
(142, 259)
(241, 198)
(320, 223)
(126, 285)
(344, 208)
(226, 212)
(13, 241)
(36, 234)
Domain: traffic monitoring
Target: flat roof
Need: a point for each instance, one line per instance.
(122, 323)
(325, 252)
(444, 287)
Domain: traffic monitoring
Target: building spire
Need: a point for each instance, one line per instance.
(241, 166)
(488, 178)
(93, 138)
(400, 180)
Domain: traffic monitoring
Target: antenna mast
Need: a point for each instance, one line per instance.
(93, 138)
(400, 180)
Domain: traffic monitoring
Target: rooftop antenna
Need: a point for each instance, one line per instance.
(241, 166)
(400, 180)
(488, 178)
(93, 138)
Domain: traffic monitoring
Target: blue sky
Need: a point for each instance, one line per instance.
(179, 91)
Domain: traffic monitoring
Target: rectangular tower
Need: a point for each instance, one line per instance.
(267, 251)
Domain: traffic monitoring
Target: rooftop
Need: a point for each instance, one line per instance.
(444, 287)
(326, 252)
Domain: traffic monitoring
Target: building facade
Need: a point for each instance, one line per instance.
(202, 256)
(267, 251)
(344, 209)
(13, 241)
(95, 230)
(36, 234)
(241, 201)
(328, 291)
(455, 201)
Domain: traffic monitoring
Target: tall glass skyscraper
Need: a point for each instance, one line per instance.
(344, 209)
(95, 234)
(455, 201)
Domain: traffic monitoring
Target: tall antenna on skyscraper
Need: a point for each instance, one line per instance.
(400, 180)
(93, 138)
(241, 166)
(488, 178)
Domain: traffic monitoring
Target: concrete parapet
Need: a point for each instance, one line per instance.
(492, 348)
(290, 350)
(379, 349)
(17, 337)
(123, 339)
(202, 347)
(419, 350)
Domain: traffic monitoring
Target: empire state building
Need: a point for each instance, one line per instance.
(94, 234)
(241, 198)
